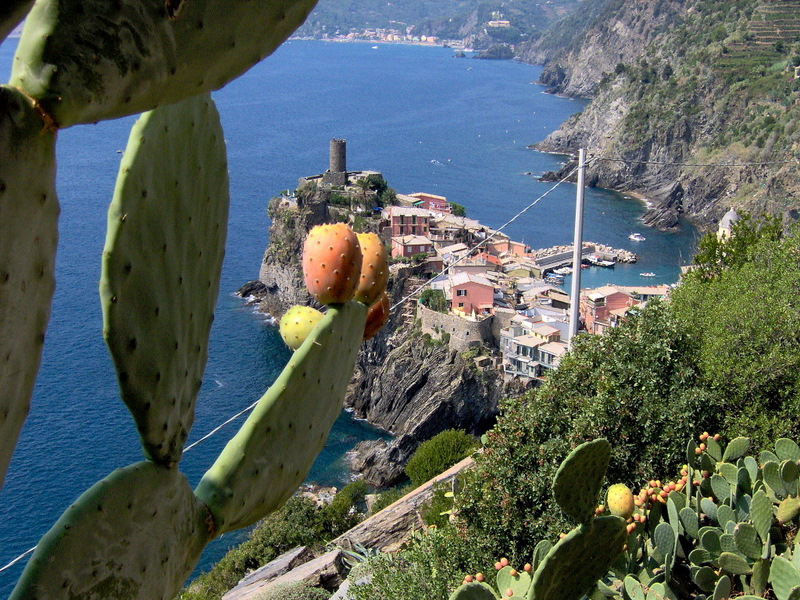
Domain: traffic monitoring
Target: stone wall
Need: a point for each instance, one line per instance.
(464, 333)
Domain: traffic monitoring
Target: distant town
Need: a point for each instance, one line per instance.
(479, 289)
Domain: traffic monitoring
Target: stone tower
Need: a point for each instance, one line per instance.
(337, 172)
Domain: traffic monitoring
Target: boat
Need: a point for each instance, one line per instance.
(597, 261)
(636, 237)
(648, 274)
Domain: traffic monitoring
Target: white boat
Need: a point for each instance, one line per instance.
(648, 274)
(636, 237)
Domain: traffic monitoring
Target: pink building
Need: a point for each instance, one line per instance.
(471, 294)
(606, 306)
(406, 220)
(409, 245)
(431, 202)
(508, 246)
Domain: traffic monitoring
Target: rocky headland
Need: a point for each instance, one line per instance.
(402, 383)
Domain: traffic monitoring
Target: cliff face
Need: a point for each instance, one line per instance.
(677, 85)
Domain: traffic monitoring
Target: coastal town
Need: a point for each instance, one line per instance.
(475, 289)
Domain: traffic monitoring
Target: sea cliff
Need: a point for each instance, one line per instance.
(694, 102)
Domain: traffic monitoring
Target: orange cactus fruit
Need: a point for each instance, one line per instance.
(377, 315)
(619, 500)
(332, 263)
(374, 269)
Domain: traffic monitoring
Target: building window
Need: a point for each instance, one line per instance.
(461, 292)
(460, 305)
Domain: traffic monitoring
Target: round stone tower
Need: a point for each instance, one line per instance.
(338, 162)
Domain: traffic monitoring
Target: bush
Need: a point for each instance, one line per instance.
(432, 566)
(341, 515)
(438, 454)
(295, 591)
(638, 386)
(388, 497)
(435, 512)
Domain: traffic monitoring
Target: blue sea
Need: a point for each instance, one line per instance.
(428, 121)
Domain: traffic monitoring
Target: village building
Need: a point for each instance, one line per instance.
(531, 348)
(470, 295)
(406, 246)
(606, 306)
(408, 221)
(725, 228)
(430, 202)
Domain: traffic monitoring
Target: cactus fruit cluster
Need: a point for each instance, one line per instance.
(570, 568)
(339, 266)
(139, 532)
(723, 528)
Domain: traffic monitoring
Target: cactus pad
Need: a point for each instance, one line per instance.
(123, 57)
(578, 560)
(271, 455)
(28, 236)
(161, 267)
(576, 485)
(474, 591)
(516, 581)
(138, 533)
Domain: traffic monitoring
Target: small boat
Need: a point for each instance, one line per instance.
(374, 47)
(597, 261)
(648, 274)
(636, 237)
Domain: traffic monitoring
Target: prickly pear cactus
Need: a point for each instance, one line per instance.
(120, 57)
(577, 483)
(28, 236)
(270, 456)
(161, 267)
(137, 533)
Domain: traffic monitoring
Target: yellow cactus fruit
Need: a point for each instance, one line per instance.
(619, 500)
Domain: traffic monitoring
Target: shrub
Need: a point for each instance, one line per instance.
(388, 497)
(438, 454)
(340, 515)
(436, 511)
(295, 591)
(431, 566)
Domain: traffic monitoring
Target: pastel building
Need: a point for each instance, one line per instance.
(406, 220)
(470, 294)
(430, 202)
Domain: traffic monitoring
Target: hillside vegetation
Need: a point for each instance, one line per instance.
(693, 81)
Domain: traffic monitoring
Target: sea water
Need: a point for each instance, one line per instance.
(428, 121)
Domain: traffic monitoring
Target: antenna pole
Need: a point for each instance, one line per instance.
(577, 248)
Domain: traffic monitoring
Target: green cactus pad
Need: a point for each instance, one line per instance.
(11, 13)
(540, 551)
(518, 583)
(787, 449)
(722, 591)
(138, 533)
(161, 267)
(761, 514)
(788, 509)
(576, 485)
(28, 236)
(272, 453)
(729, 472)
(476, 590)
(705, 578)
(689, 521)
(747, 540)
(760, 576)
(772, 477)
(736, 449)
(784, 577)
(579, 559)
(124, 57)
(664, 538)
(725, 514)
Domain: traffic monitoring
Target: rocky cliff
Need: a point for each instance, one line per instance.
(404, 384)
(694, 103)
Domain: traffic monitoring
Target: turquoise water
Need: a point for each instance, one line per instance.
(428, 121)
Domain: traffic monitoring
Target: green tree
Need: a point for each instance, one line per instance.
(637, 386)
(438, 454)
(715, 255)
(434, 299)
(458, 209)
(746, 321)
